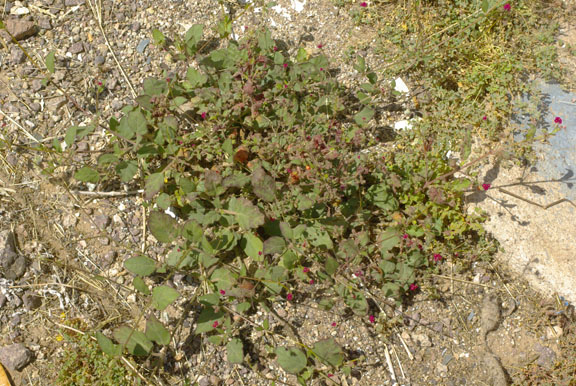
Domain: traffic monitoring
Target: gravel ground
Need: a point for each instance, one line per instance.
(55, 237)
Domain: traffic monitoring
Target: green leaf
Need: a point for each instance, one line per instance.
(195, 78)
(263, 185)
(388, 240)
(192, 231)
(156, 331)
(87, 174)
(236, 180)
(135, 341)
(140, 265)
(140, 285)
(223, 278)
(331, 265)
(286, 230)
(360, 65)
(381, 196)
(107, 346)
(206, 319)
(163, 227)
(163, 296)
(265, 41)
(246, 214)
(329, 352)
(357, 303)
(127, 170)
(364, 116)
(302, 55)
(137, 122)
(194, 34)
(212, 299)
(153, 86)
(273, 245)
(291, 359)
(485, 5)
(106, 159)
(70, 135)
(154, 183)
(158, 37)
(235, 350)
(461, 184)
(289, 259)
(50, 62)
(252, 246)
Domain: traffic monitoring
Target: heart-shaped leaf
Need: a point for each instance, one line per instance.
(235, 350)
(163, 296)
(328, 352)
(140, 265)
(135, 341)
(163, 227)
(156, 331)
(246, 214)
(291, 359)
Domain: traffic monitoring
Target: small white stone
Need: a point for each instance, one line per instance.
(19, 11)
(402, 125)
(298, 6)
(400, 86)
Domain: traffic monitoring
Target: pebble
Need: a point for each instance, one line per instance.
(2, 300)
(17, 56)
(44, 23)
(142, 45)
(99, 60)
(21, 29)
(76, 48)
(32, 301)
(547, 356)
(37, 85)
(15, 356)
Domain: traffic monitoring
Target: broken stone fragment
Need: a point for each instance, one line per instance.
(15, 356)
(21, 29)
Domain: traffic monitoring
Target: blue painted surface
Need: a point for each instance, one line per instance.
(558, 157)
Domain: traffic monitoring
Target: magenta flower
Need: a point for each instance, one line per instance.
(215, 324)
(486, 186)
(203, 115)
(320, 46)
(285, 65)
(259, 253)
(289, 297)
(275, 48)
(405, 236)
(413, 287)
(333, 324)
(305, 269)
(484, 118)
(364, 4)
(437, 257)
(222, 292)
(507, 7)
(372, 319)
(558, 120)
(311, 281)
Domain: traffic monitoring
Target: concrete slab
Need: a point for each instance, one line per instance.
(538, 240)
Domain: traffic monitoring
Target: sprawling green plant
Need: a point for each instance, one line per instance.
(270, 168)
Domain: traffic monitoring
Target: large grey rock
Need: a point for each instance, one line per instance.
(16, 356)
